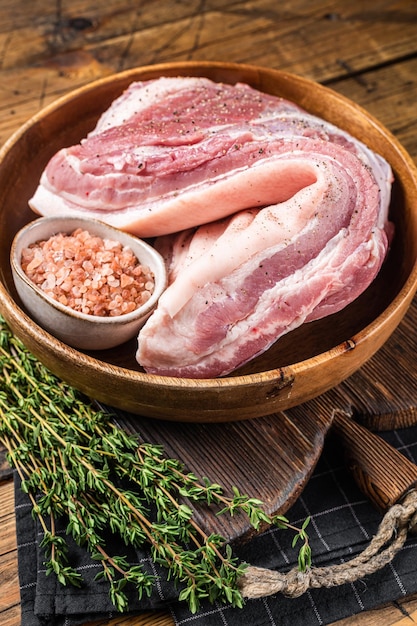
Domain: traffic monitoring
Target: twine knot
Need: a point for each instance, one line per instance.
(392, 533)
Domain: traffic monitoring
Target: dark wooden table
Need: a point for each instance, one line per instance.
(366, 51)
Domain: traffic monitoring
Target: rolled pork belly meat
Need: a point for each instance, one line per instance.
(267, 216)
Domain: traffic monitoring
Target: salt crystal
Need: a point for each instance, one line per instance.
(89, 274)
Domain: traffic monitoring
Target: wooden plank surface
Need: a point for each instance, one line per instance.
(47, 48)
(368, 54)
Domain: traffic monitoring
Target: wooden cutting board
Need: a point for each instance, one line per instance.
(272, 457)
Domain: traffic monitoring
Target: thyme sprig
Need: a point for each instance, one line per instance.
(76, 464)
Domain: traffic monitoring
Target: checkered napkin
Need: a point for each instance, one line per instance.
(342, 525)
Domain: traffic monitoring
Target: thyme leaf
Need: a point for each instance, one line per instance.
(75, 464)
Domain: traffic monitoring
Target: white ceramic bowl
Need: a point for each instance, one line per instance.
(79, 330)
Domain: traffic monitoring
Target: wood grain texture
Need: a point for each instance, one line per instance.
(367, 53)
(270, 458)
(382, 473)
(383, 393)
(67, 44)
(9, 597)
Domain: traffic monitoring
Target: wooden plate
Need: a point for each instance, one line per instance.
(301, 365)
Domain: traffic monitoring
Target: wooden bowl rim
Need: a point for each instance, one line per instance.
(15, 315)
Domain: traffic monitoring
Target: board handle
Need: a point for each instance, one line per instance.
(382, 473)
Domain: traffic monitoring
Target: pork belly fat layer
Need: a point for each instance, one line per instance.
(268, 217)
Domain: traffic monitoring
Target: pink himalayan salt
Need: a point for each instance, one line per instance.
(89, 274)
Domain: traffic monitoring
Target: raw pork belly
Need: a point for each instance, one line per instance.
(173, 153)
(239, 284)
(268, 217)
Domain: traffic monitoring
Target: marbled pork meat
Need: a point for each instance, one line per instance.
(268, 217)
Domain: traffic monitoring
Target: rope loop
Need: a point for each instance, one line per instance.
(390, 538)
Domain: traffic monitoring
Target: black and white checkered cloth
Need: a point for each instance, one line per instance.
(342, 525)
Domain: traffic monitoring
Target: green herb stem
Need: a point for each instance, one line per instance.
(75, 464)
